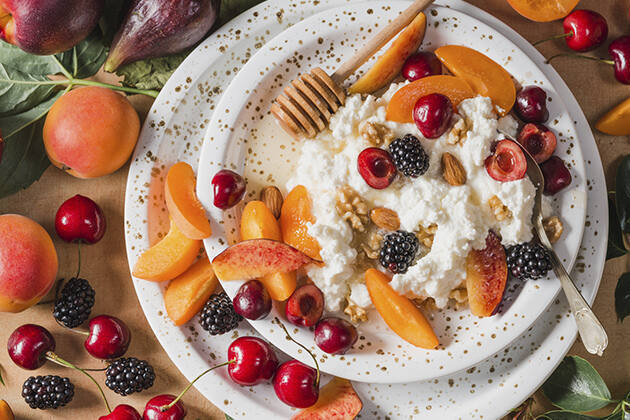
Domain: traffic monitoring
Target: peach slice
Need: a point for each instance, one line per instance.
(400, 107)
(389, 64)
(257, 258)
(183, 204)
(616, 122)
(258, 222)
(294, 216)
(484, 76)
(337, 400)
(187, 293)
(402, 316)
(543, 10)
(168, 258)
(486, 276)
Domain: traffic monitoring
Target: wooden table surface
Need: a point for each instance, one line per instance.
(105, 264)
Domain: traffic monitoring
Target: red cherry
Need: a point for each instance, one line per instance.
(538, 140)
(229, 189)
(556, 174)
(508, 162)
(335, 335)
(531, 104)
(421, 64)
(254, 361)
(122, 412)
(252, 301)
(619, 50)
(153, 409)
(80, 219)
(28, 345)
(296, 384)
(432, 115)
(305, 306)
(585, 29)
(109, 337)
(376, 167)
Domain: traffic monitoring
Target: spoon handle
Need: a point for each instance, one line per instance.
(591, 330)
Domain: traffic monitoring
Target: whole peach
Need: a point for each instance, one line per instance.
(28, 263)
(91, 132)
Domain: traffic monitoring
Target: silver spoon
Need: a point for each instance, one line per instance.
(591, 330)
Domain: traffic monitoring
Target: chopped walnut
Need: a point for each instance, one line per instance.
(500, 210)
(355, 312)
(352, 208)
(458, 132)
(376, 133)
(460, 296)
(426, 234)
(371, 248)
(553, 228)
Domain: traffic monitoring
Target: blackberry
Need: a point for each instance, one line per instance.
(127, 375)
(50, 391)
(398, 251)
(74, 305)
(218, 315)
(528, 261)
(409, 156)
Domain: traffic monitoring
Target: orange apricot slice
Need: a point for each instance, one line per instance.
(187, 293)
(616, 122)
(7, 414)
(485, 77)
(337, 400)
(183, 205)
(168, 258)
(391, 62)
(543, 10)
(258, 222)
(294, 217)
(486, 276)
(400, 107)
(402, 316)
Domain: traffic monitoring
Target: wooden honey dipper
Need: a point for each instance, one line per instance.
(305, 106)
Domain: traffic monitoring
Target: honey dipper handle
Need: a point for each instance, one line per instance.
(380, 39)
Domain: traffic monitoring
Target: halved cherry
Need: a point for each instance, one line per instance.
(538, 140)
(507, 163)
(376, 167)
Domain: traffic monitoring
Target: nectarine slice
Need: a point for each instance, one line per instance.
(389, 64)
(337, 400)
(258, 222)
(543, 10)
(5, 411)
(484, 76)
(294, 217)
(257, 258)
(168, 258)
(183, 205)
(402, 316)
(486, 276)
(400, 107)
(187, 293)
(616, 122)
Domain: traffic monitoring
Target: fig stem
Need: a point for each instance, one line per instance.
(588, 57)
(181, 394)
(303, 346)
(564, 35)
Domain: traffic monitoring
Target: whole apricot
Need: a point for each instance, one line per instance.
(91, 132)
(28, 263)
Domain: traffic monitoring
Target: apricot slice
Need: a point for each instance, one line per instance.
(402, 316)
(400, 107)
(183, 205)
(256, 258)
(543, 10)
(486, 276)
(389, 64)
(168, 258)
(337, 400)
(257, 222)
(294, 217)
(187, 293)
(484, 76)
(616, 122)
(7, 414)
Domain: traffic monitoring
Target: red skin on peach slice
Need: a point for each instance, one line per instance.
(337, 400)
(256, 258)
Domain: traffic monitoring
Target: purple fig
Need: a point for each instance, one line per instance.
(154, 28)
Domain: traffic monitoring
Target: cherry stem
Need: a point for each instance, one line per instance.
(588, 57)
(179, 397)
(564, 35)
(303, 346)
(79, 257)
(56, 359)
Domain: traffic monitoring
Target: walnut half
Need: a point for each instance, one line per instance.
(501, 211)
(426, 234)
(352, 208)
(356, 313)
(553, 228)
(377, 134)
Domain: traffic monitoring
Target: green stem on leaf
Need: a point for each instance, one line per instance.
(588, 57)
(70, 81)
(303, 346)
(564, 35)
(61, 66)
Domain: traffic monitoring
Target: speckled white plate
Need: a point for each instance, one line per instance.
(174, 130)
(242, 136)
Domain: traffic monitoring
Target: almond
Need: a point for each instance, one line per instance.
(385, 218)
(452, 170)
(272, 197)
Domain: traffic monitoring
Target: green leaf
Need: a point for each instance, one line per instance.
(622, 196)
(228, 417)
(151, 73)
(616, 246)
(576, 386)
(232, 8)
(86, 58)
(566, 415)
(622, 296)
(2, 380)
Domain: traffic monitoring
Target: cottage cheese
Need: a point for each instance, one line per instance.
(461, 213)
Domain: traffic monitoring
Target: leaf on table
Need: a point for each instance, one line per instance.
(151, 73)
(622, 297)
(232, 8)
(85, 58)
(576, 386)
(572, 415)
(228, 417)
(616, 246)
(1, 379)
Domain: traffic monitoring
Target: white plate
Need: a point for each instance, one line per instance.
(241, 132)
(171, 134)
